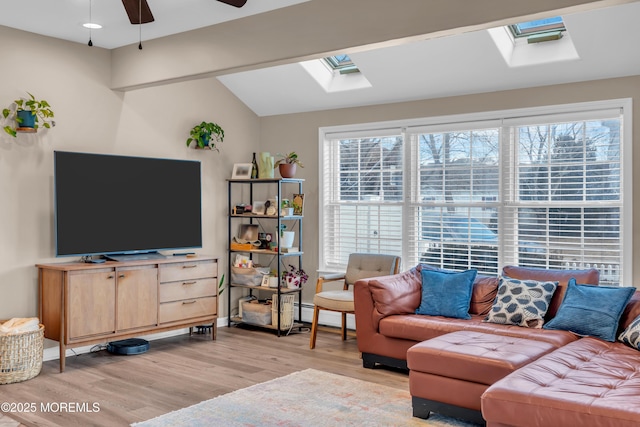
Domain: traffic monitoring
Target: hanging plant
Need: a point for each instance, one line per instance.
(28, 114)
(206, 135)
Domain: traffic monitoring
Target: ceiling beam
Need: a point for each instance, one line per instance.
(318, 28)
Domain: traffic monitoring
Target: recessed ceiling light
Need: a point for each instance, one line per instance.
(92, 26)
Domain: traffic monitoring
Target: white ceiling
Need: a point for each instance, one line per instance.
(63, 19)
(605, 40)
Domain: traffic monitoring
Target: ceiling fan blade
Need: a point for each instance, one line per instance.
(236, 3)
(132, 8)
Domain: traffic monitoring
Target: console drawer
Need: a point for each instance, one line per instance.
(182, 310)
(187, 289)
(188, 270)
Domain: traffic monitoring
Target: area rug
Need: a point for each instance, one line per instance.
(305, 398)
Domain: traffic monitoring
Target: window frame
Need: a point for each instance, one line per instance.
(341, 67)
(506, 117)
(538, 29)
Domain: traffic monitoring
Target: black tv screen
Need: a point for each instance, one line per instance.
(108, 204)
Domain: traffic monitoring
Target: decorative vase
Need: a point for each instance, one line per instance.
(265, 166)
(287, 170)
(293, 282)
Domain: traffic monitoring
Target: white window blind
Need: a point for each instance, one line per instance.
(526, 187)
(565, 194)
(453, 214)
(362, 197)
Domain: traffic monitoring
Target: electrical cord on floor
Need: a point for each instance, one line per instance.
(96, 348)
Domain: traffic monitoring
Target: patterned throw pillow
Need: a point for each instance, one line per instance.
(631, 335)
(521, 302)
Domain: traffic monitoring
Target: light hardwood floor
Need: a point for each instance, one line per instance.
(178, 372)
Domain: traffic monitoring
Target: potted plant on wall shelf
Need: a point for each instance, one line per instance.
(287, 164)
(206, 135)
(28, 114)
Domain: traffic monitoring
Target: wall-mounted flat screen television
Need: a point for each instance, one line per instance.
(122, 205)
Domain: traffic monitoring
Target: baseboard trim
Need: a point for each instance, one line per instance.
(53, 352)
(327, 318)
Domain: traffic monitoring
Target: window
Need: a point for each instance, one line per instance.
(540, 26)
(342, 64)
(363, 196)
(540, 30)
(516, 187)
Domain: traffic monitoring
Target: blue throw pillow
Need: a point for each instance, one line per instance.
(591, 310)
(446, 293)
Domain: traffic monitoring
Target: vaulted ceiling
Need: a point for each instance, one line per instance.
(601, 41)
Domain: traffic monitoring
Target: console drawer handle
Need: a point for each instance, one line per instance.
(190, 266)
(189, 283)
(188, 302)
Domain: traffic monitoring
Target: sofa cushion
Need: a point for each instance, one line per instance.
(631, 311)
(396, 294)
(473, 356)
(589, 276)
(446, 293)
(587, 383)
(631, 335)
(521, 302)
(591, 310)
(485, 289)
(417, 328)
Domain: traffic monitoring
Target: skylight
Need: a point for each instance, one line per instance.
(539, 30)
(342, 64)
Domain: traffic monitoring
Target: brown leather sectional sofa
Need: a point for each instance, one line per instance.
(511, 375)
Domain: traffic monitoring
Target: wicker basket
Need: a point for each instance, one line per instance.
(286, 312)
(21, 355)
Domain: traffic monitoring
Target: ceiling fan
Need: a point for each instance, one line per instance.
(140, 13)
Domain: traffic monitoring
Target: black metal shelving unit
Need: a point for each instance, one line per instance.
(235, 219)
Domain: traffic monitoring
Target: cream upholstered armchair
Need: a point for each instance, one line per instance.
(359, 266)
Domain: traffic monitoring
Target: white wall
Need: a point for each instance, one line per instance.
(152, 122)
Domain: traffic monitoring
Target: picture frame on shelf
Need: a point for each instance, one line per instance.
(241, 171)
(265, 240)
(271, 208)
(258, 208)
(298, 204)
(265, 280)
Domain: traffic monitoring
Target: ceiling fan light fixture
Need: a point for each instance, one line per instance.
(92, 26)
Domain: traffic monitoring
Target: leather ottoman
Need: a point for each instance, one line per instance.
(588, 383)
(448, 374)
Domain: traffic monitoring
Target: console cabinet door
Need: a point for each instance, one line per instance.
(137, 297)
(92, 302)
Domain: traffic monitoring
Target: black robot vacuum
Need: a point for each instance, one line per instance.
(129, 346)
